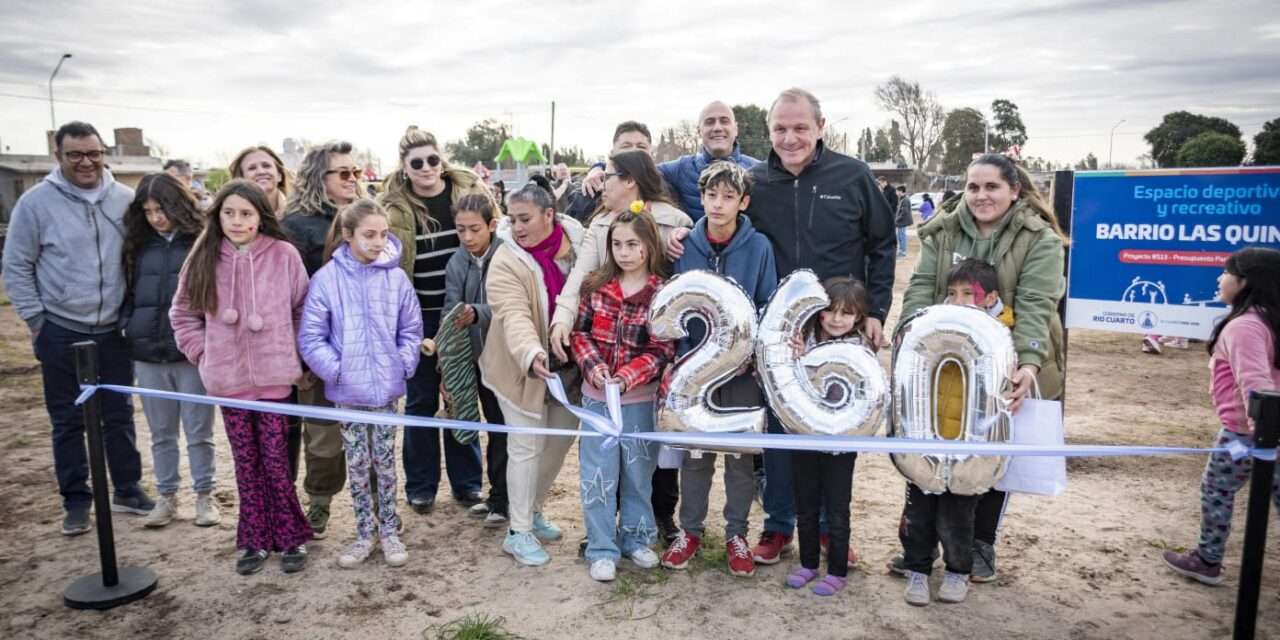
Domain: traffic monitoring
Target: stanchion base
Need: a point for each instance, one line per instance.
(89, 593)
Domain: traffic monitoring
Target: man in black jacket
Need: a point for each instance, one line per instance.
(823, 211)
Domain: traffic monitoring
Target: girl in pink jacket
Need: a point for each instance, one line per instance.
(236, 316)
(1245, 357)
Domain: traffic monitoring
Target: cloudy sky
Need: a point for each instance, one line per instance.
(204, 79)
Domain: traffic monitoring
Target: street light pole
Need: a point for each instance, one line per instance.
(53, 121)
(1111, 142)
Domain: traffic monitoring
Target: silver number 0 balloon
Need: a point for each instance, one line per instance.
(730, 319)
(982, 348)
(797, 388)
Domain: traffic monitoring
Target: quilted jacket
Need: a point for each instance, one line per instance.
(362, 328)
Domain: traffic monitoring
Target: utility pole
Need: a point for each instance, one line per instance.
(552, 159)
(53, 121)
(1111, 143)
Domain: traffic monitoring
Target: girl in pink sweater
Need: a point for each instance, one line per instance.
(1245, 356)
(236, 316)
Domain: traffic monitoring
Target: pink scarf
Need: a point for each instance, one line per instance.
(544, 253)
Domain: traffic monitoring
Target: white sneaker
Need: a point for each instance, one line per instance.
(955, 586)
(603, 570)
(478, 510)
(207, 513)
(644, 557)
(495, 520)
(917, 592)
(393, 551)
(356, 554)
(163, 513)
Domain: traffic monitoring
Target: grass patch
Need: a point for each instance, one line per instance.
(633, 587)
(712, 556)
(19, 441)
(474, 626)
(1163, 546)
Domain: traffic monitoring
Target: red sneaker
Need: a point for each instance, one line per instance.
(825, 539)
(739, 555)
(771, 547)
(681, 551)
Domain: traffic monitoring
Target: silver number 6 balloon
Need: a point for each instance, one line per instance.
(730, 319)
(798, 388)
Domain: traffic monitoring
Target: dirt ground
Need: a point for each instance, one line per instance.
(1082, 565)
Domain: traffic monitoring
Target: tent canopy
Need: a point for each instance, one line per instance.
(521, 150)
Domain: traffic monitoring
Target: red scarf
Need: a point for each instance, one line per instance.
(544, 253)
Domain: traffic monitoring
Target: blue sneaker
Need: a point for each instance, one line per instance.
(544, 530)
(524, 547)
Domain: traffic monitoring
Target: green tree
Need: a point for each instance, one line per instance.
(753, 130)
(962, 136)
(481, 144)
(1176, 128)
(1089, 163)
(1266, 145)
(1006, 127)
(921, 117)
(882, 148)
(1211, 149)
(215, 179)
(865, 144)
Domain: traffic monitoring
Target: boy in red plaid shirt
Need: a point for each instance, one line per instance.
(611, 344)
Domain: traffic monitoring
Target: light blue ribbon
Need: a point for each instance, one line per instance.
(610, 429)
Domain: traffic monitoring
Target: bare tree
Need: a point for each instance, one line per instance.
(921, 115)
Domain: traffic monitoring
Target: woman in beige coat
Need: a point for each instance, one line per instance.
(526, 274)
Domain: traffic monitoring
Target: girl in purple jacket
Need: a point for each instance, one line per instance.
(361, 332)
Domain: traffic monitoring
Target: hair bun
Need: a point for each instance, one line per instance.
(541, 181)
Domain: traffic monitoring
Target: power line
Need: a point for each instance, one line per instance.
(112, 106)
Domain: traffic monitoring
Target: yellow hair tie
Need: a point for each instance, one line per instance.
(637, 206)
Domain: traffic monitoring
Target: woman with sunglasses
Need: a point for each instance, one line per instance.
(327, 182)
(419, 198)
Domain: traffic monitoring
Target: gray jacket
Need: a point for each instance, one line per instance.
(63, 255)
(464, 283)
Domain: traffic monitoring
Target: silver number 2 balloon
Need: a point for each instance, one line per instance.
(730, 319)
(801, 390)
(983, 350)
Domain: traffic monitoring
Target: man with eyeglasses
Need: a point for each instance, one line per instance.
(626, 136)
(63, 271)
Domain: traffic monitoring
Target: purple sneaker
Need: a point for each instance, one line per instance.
(1191, 565)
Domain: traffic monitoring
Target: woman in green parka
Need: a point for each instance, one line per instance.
(419, 197)
(1003, 220)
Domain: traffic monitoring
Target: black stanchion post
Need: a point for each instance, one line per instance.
(1264, 408)
(113, 586)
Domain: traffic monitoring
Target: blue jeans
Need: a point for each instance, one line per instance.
(902, 241)
(422, 445)
(779, 501)
(115, 410)
(625, 467)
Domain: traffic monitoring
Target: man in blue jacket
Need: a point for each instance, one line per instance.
(719, 132)
(64, 272)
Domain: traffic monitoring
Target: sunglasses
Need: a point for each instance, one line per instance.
(432, 161)
(346, 174)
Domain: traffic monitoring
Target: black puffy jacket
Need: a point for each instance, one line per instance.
(146, 307)
(832, 218)
(308, 233)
